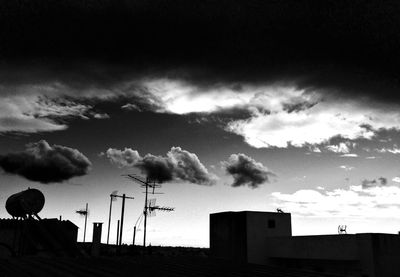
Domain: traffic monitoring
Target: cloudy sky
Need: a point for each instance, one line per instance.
(232, 105)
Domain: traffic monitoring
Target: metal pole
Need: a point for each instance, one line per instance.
(134, 235)
(84, 232)
(145, 215)
(122, 218)
(109, 219)
(117, 243)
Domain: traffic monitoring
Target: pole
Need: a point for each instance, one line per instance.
(109, 219)
(84, 232)
(134, 235)
(117, 243)
(145, 215)
(122, 219)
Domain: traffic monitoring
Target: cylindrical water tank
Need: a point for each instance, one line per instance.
(27, 202)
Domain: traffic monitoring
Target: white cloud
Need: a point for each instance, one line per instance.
(24, 114)
(181, 98)
(349, 155)
(36, 108)
(354, 201)
(396, 179)
(343, 147)
(100, 115)
(394, 150)
(130, 107)
(315, 125)
(281, 114)
(346, 167)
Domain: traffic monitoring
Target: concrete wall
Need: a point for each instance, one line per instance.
(260, 227)
(385, 254)
(366, 255)
(329, 247)
(237, 235)
(228, 236)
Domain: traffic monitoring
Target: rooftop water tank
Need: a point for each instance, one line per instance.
(24, 203)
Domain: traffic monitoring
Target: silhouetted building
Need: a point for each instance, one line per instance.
(266, 238)
(50, 237)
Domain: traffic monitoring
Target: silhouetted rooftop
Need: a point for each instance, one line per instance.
(142, 266)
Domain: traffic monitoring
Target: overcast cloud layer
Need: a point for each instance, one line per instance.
(298, 73)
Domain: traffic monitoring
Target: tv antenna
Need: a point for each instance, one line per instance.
(149, 204)
(84, 212)
(342, 229)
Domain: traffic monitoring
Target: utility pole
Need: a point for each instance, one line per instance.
(117, 242)
(112, 196)
(121, 221)
(84, 232)
(145, 215)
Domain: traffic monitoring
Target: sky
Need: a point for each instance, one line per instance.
(229, 105)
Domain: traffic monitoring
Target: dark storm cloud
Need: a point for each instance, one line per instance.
(351, 45)
(43, 163)
(246, 171)
(381, 181)
(178, 164)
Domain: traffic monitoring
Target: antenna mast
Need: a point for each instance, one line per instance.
(148, 207)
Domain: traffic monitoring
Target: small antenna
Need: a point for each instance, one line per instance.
(342, 229)
(85, 213)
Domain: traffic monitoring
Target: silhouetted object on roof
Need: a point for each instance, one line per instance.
(123, 196)
(96, 238)
(342, 229)
(29, 236)
(25, 204)
(152, 185)
(85, 213)
(112, 199)
(278, 210)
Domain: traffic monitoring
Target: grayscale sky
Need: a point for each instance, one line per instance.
(231, 105)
